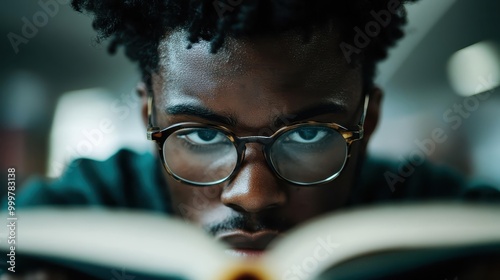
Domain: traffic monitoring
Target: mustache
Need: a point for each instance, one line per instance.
(249, 224)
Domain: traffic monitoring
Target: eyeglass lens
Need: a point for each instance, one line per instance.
(307, 154)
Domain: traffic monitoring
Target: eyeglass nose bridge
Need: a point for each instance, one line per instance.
(264, 141)
(241, 142)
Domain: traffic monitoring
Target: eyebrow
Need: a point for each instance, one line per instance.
(209, 115)
(200, 112)
(318, 110)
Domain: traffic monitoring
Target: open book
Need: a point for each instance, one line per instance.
(429, 241)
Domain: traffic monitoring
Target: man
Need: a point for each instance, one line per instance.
(261, 110)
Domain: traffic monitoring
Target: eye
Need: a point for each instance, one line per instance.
(204, 137)
(307, 135)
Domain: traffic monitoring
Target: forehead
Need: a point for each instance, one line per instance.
(281, 72)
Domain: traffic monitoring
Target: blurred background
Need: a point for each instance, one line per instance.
(62, 96)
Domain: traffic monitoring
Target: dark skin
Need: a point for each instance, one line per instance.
(260, 85)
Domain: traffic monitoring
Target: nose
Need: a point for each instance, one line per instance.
(255, 188)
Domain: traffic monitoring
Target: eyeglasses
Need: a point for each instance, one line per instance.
(304, 153)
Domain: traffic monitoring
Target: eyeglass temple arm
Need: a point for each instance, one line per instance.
(358, 135)
(151, 128)
(365, 109)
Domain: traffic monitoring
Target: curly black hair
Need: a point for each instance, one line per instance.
(140, 25)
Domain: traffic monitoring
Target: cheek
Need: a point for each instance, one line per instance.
(315, 201)
(195, 204)
(307, 203)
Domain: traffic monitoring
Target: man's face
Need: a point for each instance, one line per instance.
(260, 85)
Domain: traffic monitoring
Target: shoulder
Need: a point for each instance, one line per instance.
(389, 180)
(126, 179)
(120, 168)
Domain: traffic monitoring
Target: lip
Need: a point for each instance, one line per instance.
(247, 244)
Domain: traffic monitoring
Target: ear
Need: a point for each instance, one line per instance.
(372, 114)
(142, 91)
